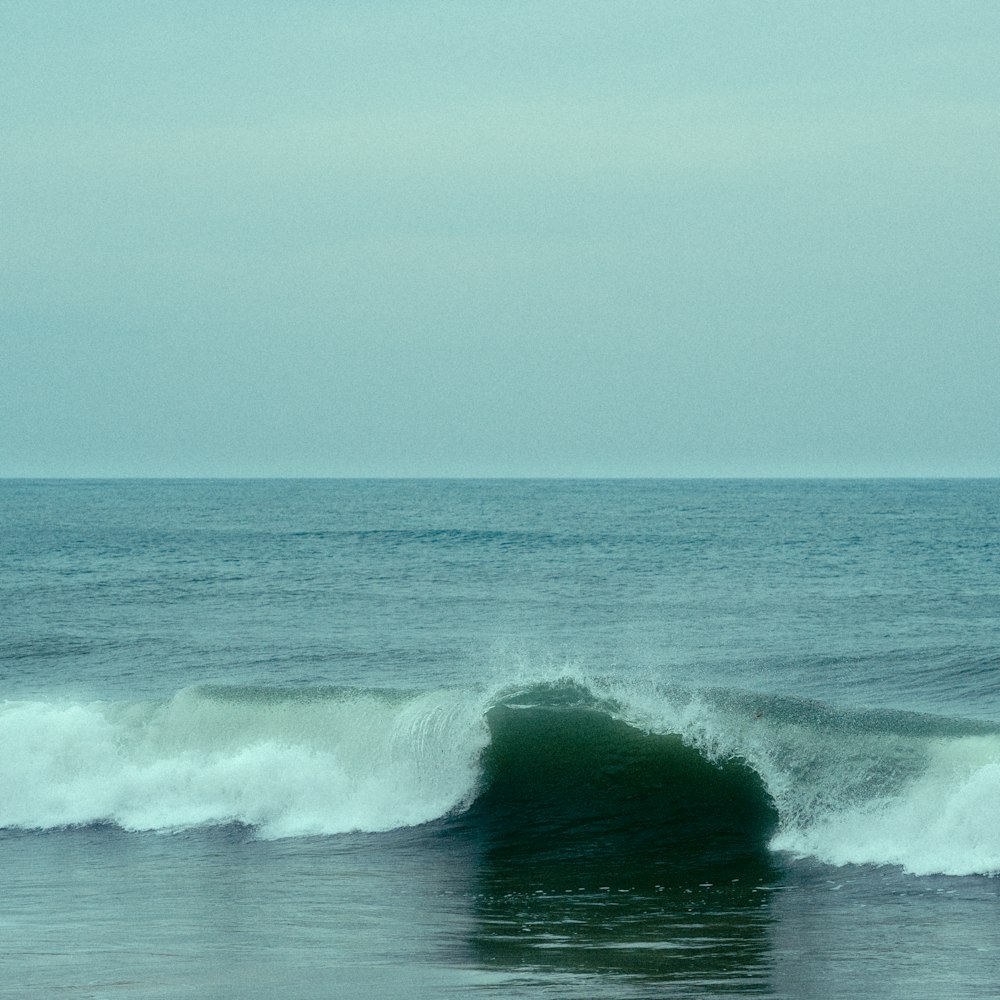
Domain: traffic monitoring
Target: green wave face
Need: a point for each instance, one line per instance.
(578, 786)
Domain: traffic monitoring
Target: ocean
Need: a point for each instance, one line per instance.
(561, 738)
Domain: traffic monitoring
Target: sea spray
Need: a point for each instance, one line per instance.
(945, 821)
(851, 786)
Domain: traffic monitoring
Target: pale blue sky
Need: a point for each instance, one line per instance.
(537, 238)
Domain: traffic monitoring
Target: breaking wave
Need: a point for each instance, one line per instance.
(554, 769)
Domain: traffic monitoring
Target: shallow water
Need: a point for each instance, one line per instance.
(99, 912)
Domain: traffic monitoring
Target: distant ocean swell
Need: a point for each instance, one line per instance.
(553, 769)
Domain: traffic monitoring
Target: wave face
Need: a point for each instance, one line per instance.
(561, 769)
(577, 783)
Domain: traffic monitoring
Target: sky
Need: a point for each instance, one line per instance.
(560, 238)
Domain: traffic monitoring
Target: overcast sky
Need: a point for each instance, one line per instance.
(544, 238)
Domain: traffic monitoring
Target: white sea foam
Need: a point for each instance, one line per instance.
(945, 821)
(290, 767)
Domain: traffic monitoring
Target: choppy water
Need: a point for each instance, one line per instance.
(344, 738)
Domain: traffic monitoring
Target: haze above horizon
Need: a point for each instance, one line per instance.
(561, 240)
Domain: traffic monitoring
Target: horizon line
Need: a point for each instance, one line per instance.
(501, 478)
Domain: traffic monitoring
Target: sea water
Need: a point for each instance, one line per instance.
(309, 739)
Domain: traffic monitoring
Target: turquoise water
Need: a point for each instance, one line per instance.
(386, 738)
